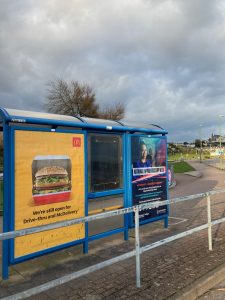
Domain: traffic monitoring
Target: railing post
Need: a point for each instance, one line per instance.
(209, 222)
(137, 247)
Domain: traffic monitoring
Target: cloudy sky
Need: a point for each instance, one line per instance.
(164, 59)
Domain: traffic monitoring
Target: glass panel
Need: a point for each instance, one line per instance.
(101, 122)
(136, 124)
(40, 115)
(100, 204)
(108, 203)
(105, 162)
(99, 226)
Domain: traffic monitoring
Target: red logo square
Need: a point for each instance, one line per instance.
(76, 142)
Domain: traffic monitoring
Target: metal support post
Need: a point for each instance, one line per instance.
(166, 222)
(209, 223)
(137, 247)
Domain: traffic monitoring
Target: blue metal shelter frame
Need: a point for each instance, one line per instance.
(12, 120)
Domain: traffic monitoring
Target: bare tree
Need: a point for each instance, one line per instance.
(114, 112)
(71, 98)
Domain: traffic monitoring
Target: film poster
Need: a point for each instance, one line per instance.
(149, 174)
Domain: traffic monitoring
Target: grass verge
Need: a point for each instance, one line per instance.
(182, 167)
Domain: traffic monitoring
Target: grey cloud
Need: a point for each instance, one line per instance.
(164, 59)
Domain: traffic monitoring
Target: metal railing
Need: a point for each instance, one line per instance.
(136, 252)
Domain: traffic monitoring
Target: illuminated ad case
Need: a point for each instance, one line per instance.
(149, 174)
(49, 187)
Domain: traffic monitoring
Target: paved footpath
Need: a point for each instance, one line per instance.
(167, 272)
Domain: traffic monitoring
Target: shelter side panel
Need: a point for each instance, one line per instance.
(49, 187)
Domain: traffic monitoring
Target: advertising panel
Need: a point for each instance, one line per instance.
(49, 187)
(149, 180)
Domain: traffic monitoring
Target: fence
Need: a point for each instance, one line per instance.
(136, 252)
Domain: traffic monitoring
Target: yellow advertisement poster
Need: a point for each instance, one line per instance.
(49, 187)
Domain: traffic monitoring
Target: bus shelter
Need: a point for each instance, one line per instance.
(59, 167)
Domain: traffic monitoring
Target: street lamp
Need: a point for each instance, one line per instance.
(220, 133)
(200, 138)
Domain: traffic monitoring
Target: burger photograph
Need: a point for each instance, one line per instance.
(51, 176)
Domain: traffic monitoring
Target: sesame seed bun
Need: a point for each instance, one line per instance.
(54, 170)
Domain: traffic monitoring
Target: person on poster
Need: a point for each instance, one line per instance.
(160, 154)
(143, 160)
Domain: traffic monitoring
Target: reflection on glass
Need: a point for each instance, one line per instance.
(105, 162)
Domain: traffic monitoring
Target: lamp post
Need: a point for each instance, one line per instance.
(220, 133)
(200, 138)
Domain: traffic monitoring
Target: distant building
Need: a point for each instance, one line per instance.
(214, 140)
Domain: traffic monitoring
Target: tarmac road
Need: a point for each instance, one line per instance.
(211, 179)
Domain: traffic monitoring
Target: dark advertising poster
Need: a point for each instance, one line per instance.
(149, 181)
